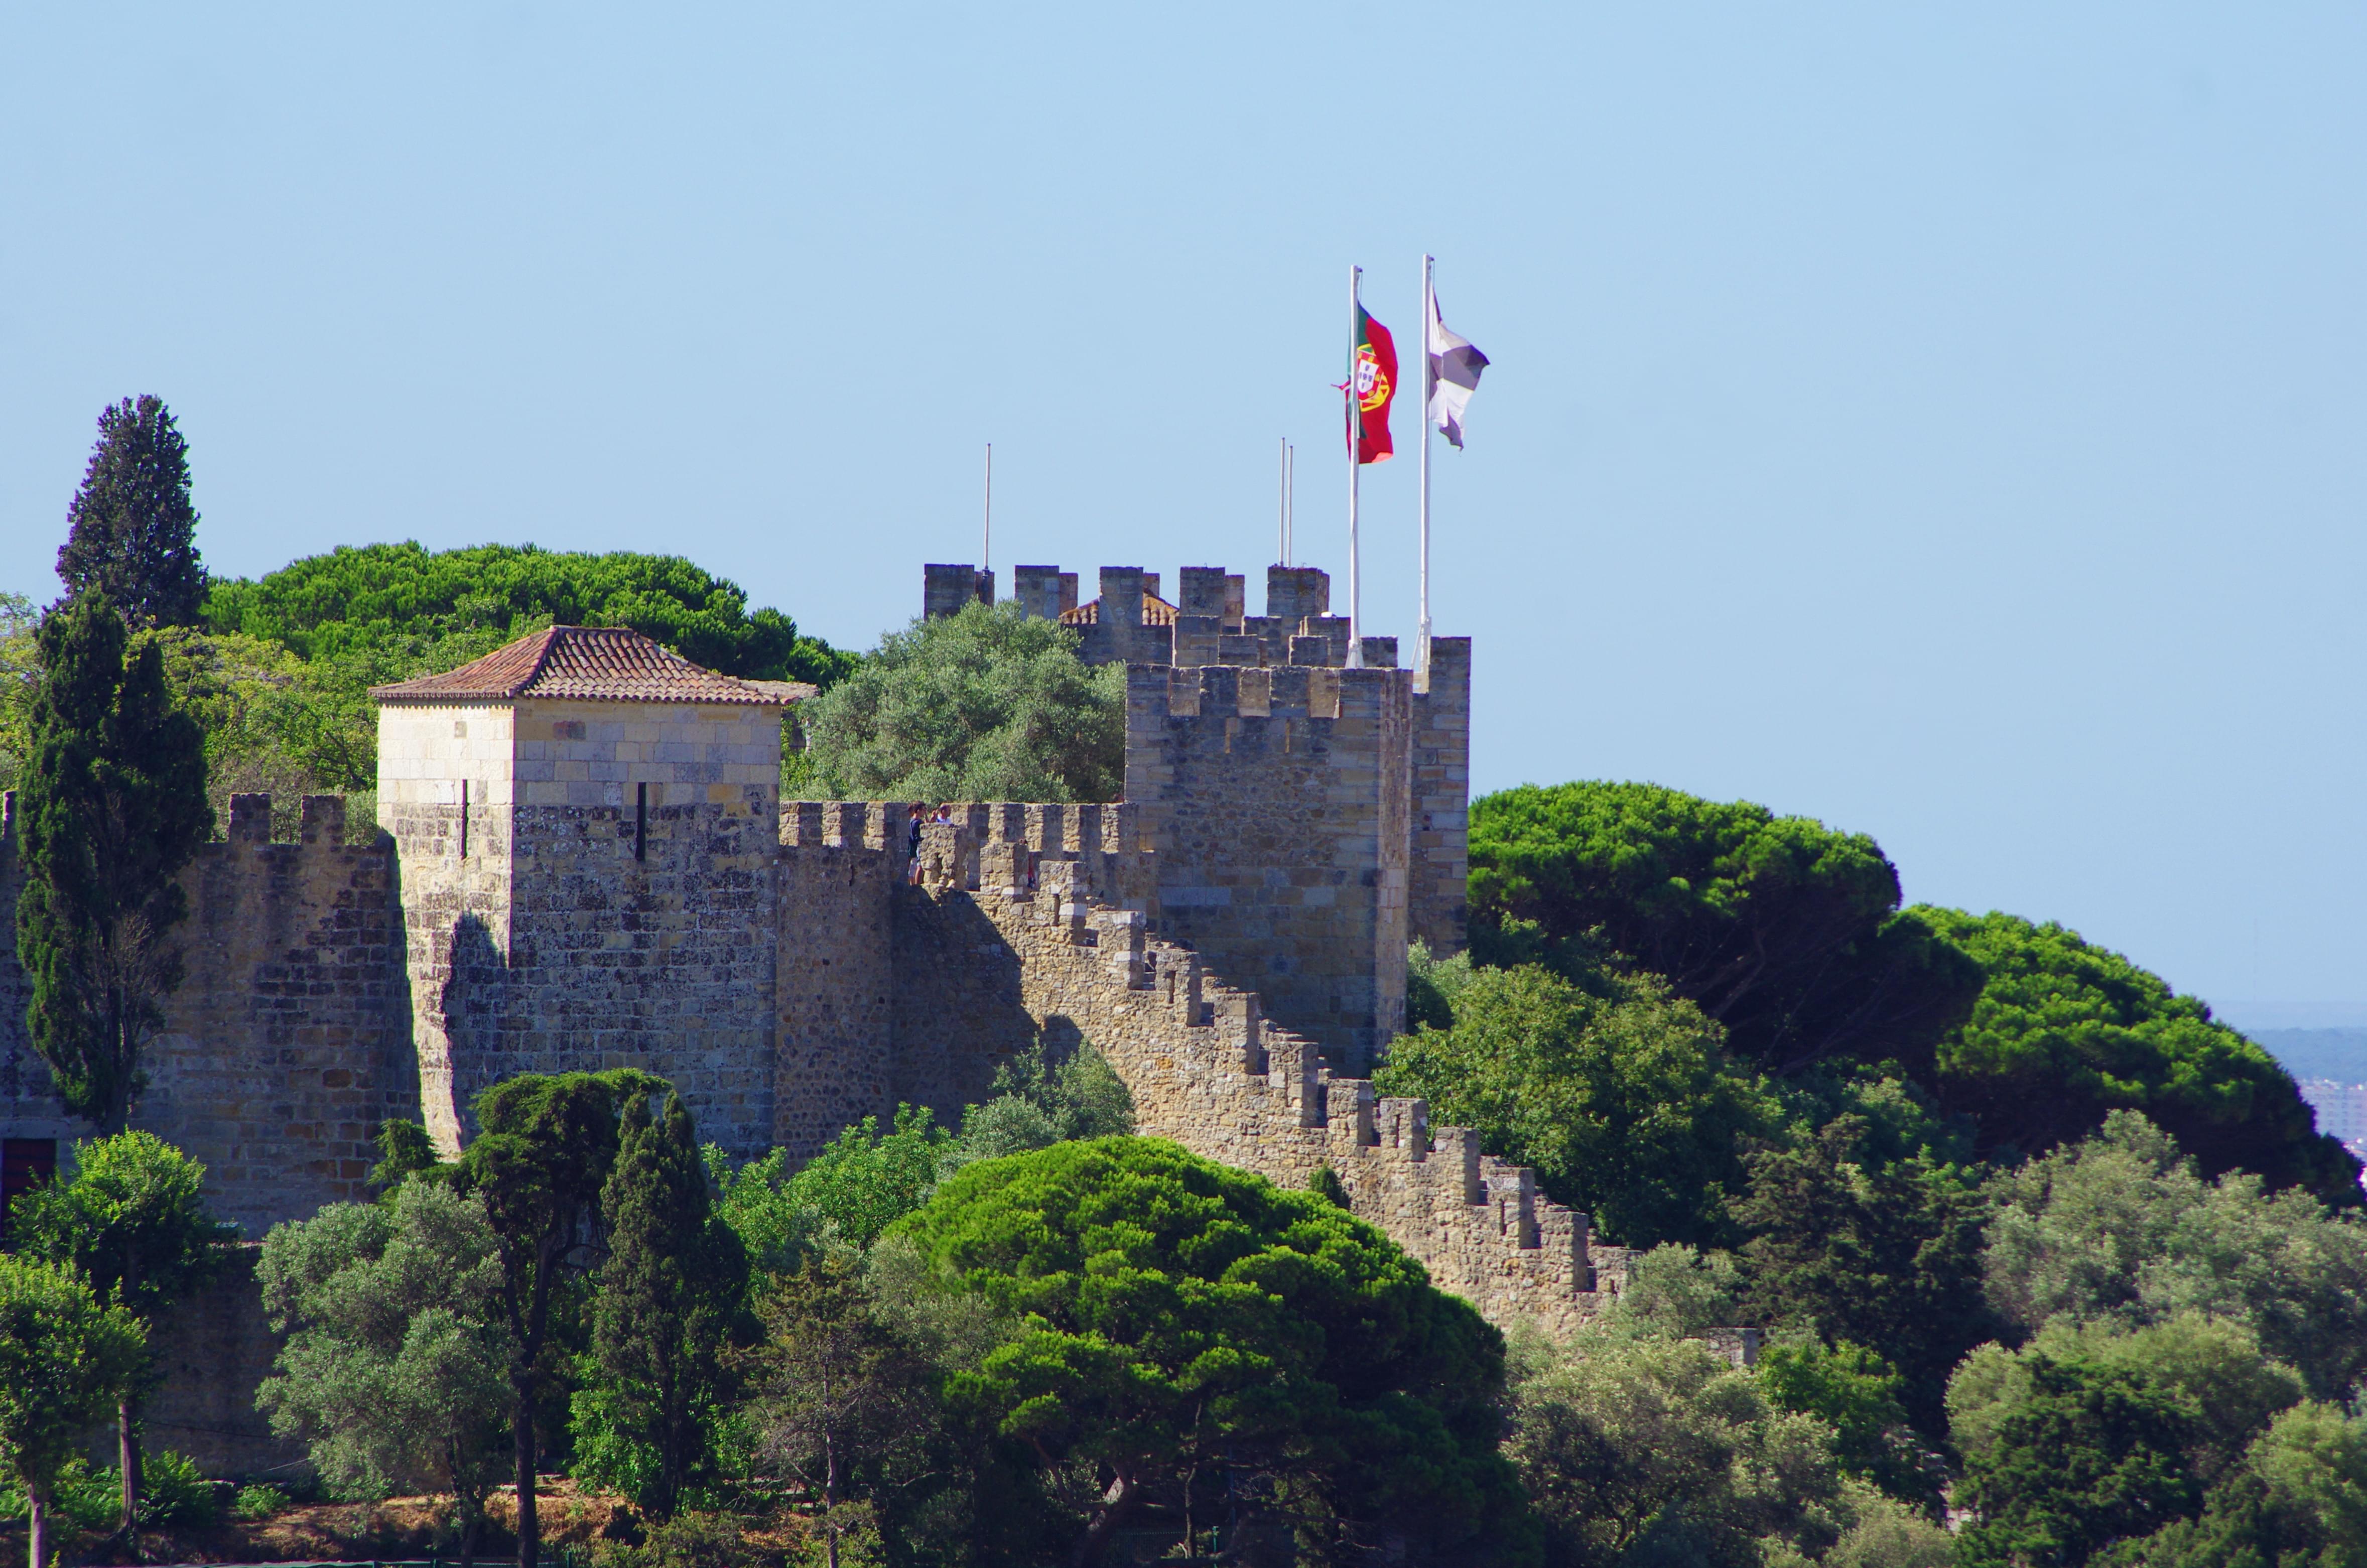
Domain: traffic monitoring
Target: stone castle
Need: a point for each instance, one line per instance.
(583, 862)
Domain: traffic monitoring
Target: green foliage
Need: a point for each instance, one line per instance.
(379, 610)
(688, 1541)
(1325, 1183)
(2300, 1499)
(2066, 1031)
(545, 1145)
(130, 529)
(860, 1184)
(1647, 1450)
(113, 805)
(1623, 1101)
(133, 1221)
(258, 1501)
(1038, 1102)
(273, 722)
(1860, 1396)
(985, 705)
(65, 1358)
(396, 1369)
(2086, 1455)
(1785, 932)
(404, 1151)
(866, 1179)
(1182, 1327)
(1432, 985)
(2122, 1229)
(1883, 1252)
(668, 1295)
(2211, 1368)
(1675, 1291)
(845, 1407)
(20, 677)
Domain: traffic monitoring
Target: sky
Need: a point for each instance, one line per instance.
(1944, 423)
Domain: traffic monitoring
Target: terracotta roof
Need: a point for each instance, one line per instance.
(588, 663)
(1156, 612)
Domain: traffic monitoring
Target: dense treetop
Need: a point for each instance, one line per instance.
(985, 705)
(1782, 929)
(387, 603)
(132, 529)
(2065, 1031)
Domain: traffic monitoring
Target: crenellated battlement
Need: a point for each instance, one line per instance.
(1208, 1069)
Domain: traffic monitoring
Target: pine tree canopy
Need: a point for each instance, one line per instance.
(132, 529)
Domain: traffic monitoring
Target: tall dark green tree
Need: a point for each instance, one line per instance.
(671, 1288)
(1866, 1245)
(132, 529)
(114, 803)
(2089, 1456)
(133, 1221)
(544, 1150)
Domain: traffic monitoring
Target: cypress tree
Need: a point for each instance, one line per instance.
(114, 802)
(669, 1292)
(130, 530)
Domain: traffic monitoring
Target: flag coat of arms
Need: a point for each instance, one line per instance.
(1372, 383)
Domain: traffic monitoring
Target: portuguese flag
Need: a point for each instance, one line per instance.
(1372, 382)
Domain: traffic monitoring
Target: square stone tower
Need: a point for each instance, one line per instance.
(585, 824)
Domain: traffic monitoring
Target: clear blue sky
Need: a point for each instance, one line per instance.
(1943, 422)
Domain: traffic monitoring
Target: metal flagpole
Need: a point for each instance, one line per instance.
(986, 538)
(1421, 644)
(1289, 501)
(1282, 502)
(1355, 659)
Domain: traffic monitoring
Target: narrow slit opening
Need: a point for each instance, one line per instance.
(640, 822)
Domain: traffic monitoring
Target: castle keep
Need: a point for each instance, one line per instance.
(584, 863)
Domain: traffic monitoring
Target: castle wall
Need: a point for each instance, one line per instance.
(835, 1059)
(1439, 857)
(1277, 801)
(289, 1040)
(1011, 946)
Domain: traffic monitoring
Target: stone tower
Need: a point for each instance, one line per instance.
(1308, 820)
(585, 824)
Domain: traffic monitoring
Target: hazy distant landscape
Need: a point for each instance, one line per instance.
(2339, 1054)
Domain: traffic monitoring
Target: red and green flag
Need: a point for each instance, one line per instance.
(1372, 382)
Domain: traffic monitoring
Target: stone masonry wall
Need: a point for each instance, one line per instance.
(610, 904)
(1278, 802)
(835, 1057)
(1439, 860)
(1008, 945)
(289, 1040)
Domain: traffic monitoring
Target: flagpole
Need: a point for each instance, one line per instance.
(1289, 504)
(1421, 644)
(1282, 502)
(986, 536)
(1355, 659)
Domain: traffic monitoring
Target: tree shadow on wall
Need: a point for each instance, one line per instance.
(960, 1013)
(476, 979)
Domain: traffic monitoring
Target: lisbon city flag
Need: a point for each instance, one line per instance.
(1372, 382)
(1455, 368)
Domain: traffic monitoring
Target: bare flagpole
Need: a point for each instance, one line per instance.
(986, 538)
(1282, 503)
(1429, 390)
(1355, 659)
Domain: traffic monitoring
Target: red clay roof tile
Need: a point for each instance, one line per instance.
(589, 663)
